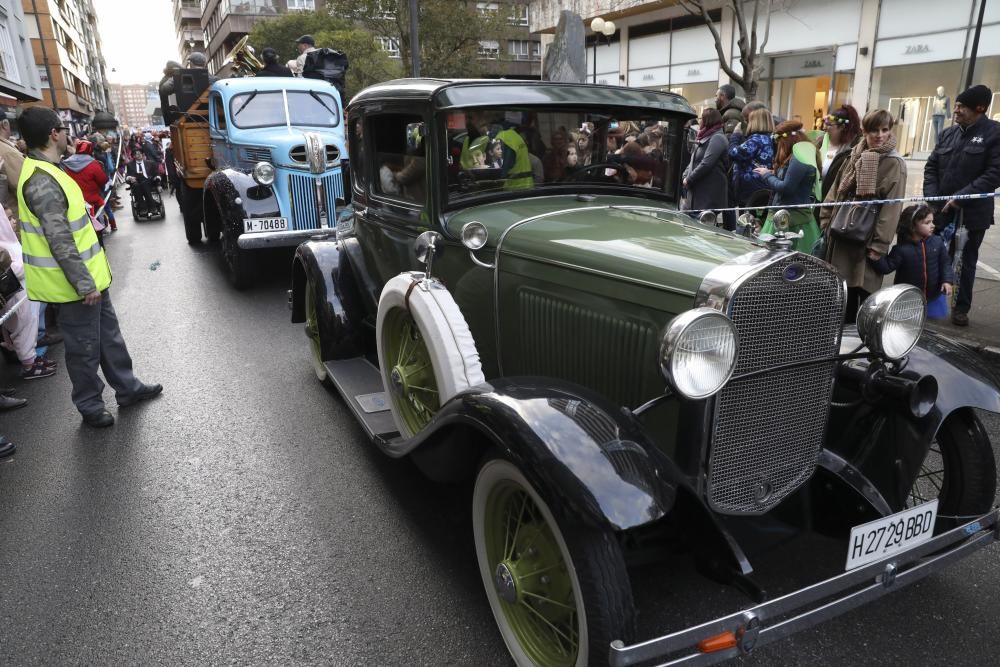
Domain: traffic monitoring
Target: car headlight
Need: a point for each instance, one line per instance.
(891, 320)
(698, 352)
(263, 173)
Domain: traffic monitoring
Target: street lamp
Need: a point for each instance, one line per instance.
(601, 27)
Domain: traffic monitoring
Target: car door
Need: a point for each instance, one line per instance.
(391, 211)
(222, 149)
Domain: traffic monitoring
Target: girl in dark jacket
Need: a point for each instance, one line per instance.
(755, 150)
(705, 178)
(920, 258)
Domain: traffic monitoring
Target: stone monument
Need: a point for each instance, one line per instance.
(566, 58)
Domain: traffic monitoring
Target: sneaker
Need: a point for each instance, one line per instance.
(39, 369)
(960, 319)
(53, 338)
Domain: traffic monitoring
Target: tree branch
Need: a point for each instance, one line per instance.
(767, 25)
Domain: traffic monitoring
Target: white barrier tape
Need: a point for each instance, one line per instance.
(851, 202)
(6, 315)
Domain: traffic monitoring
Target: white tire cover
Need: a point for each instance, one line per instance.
(446, 334)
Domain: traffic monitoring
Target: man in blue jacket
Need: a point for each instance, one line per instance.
(966, 160)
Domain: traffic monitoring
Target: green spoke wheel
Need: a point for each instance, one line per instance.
(412, 386)
(959, 471)
(313, 331)
(559, 597)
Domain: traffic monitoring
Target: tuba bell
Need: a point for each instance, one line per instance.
(242, 59)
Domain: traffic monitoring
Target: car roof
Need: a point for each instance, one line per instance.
(236, 85)
(455, 93)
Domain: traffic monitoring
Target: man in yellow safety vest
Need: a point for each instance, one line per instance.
(65, 264)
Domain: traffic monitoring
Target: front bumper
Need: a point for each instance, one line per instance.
(781, 617)
(292, 237)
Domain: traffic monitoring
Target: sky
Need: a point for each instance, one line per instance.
(136, 42)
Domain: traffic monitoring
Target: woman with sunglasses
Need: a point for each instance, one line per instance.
(795, 180)
(843, 131)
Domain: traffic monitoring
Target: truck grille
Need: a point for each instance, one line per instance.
(298, 153)
(769, 428)
(302, 191)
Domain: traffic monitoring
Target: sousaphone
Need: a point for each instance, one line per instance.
(243, 59)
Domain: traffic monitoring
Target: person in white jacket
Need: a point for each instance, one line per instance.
(20, 330)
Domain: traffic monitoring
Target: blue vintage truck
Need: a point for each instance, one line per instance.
(261, 163)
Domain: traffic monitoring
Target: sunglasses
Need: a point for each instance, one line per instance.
(60, 129)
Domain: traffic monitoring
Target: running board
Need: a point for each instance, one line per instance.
(360, 383)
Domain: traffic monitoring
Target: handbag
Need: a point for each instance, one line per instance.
(9, 285)
(855, 223)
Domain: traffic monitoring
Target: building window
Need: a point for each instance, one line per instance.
(489, 49)
(390, 45)
(524, 49)
(308, 5)
(518, 15)
(8, 63)
(488, 7)
(385, 10)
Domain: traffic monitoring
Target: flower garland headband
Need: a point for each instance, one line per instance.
(836, 119)
(781, 135)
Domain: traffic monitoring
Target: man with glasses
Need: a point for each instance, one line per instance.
(65, 264)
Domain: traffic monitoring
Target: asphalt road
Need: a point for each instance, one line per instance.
(243, 518)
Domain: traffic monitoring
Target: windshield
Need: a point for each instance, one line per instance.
(500, 149)
(267, 109)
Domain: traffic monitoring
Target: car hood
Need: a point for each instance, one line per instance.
(627, 239)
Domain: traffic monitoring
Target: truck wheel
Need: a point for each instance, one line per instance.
(191, 211)
(425, 350)
(960, 471)
(239, 263)
(560, 596)
(313, 330)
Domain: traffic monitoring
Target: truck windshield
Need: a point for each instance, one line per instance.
(267, 109)
(492, 150)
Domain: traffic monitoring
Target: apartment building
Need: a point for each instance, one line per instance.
(132, 104)
(19, 79)
(67, 54)
(187, 25)
(225, 22)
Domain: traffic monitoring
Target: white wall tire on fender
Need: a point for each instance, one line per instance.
(425, 349)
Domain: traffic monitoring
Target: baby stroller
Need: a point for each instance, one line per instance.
(156, 210)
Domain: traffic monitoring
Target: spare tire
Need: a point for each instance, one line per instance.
(425, 350)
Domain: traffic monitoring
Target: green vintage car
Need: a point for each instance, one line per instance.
(516, 299)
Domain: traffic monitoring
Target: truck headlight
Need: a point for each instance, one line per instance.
(263, 173)
(891, 320)
(698, 352)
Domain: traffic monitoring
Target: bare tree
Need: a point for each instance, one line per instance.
(749, 47)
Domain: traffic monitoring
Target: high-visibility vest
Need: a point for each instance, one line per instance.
(520, 176)
(43, 277)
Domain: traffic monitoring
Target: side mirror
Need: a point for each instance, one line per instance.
(425, 247)
(746, 224)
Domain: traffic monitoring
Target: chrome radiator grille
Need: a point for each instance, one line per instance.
(769, 428)
(302, 189)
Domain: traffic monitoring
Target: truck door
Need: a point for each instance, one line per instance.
(222, 149)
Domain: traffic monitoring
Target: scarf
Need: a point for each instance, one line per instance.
(708, 131)
(861, 169)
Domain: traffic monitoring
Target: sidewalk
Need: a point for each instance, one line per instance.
(983, 332)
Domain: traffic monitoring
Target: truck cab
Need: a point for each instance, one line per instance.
(262, 162)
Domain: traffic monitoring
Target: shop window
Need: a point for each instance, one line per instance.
(908, 92)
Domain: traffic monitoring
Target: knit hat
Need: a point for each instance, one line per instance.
(977, 97)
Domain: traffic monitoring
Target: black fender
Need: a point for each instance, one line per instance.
(238, 196)
(343, 334)
(590, 459)
(884, 441)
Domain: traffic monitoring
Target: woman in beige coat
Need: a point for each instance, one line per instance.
(874, 170)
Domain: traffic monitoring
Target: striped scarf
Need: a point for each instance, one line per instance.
(861, 169)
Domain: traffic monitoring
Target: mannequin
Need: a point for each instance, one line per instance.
(940, 108)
